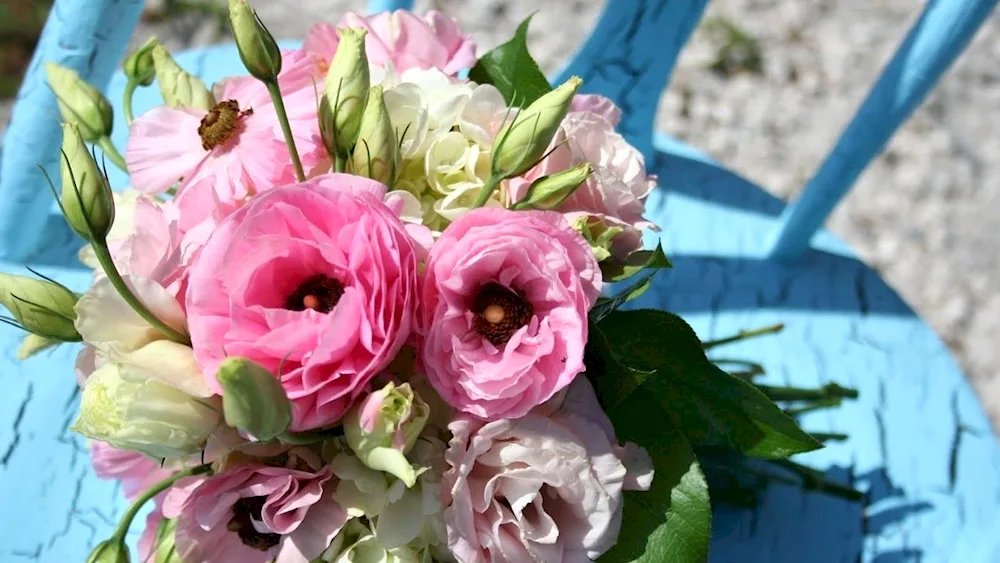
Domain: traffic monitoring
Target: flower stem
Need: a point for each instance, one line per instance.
(145, 497)
(828, 391)
(286, 128)
(744, 335)
(486, 191)
(108, 265)
(112, 153)
(339, 163)
(130, 87)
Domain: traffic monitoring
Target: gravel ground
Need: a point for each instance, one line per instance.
(922, 214)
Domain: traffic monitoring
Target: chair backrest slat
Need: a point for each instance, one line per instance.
(944, 29)
(376, 6)
(88, 36)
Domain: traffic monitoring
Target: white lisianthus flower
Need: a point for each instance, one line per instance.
(357, 544)
(121, 228)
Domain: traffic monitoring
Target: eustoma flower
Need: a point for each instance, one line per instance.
(545, 487)
(315, 280)
(504, 310)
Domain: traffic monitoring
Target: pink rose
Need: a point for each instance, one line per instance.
(545, 487)
(403, 39)
(317, 279)
(504, 310)
(136, 471)
(256, 513)
(615, 193)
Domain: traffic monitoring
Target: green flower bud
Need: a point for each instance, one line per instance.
(139, 66)
(548, 192)
(41, 307)
(257, 48)
(345, 92)
(109, 551)
(375, 153)
(522, 142)
(178, 87)
(86, 197)
(34, 344)
(130, 410)
(165, 551)
(383, 427)
(80, 103)
(253, 399)
(598, 234)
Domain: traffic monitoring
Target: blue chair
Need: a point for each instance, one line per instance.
(920, 445)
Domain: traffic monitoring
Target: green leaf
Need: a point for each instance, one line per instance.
(636, 262)
(512, 70)
(673, 520)
(658, 354)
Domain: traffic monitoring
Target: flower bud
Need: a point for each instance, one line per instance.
(253, 399)
(522, 142)
(257, 48)
(165, 551)
(598, 234)
(548, 192)
(86, 198)
(34, 344)
(345, 92)
(80, 103)
(109, 551)
(375, 153)
(40, 307)
(382, 428)
(130, 410)
(139, 67)
(178, 87)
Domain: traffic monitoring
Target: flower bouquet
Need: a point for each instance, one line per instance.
(363, 306)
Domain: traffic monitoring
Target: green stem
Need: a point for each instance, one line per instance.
(130, 87)
(112, 153)
(145, 497)
(743, 335)
(486, 191)
(108, 265)
(817, 405)
(286, 128)
(339, 163)
(831, 390)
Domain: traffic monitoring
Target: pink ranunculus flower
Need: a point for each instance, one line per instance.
(237, 148)
(544, 487)
(135, 471)
(504, 310)
(403, 39)
(318, 280)
(615, 193)
(257, 513)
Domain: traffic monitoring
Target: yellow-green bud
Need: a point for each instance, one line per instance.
(165, 551)
(178, 87)
(345, 92)
(523, 141)
(548, 192)
(86, 198)
(375, 153)
(41, 307)
(139, 66)
(109, 551)
(34, 344)
(598, 234)
(80, 103)
(384, 426)
(258, 49)
(253, 399)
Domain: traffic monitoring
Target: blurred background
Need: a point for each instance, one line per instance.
(765, 87)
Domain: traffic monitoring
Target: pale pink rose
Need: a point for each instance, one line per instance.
(245, 152)
(545, 487)
(616, 191)
(256, 513)
(403, 39)
(317, 279)
(504, 310)
(136, 471)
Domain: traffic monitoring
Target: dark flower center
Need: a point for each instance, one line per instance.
(220, 124)
(245, 511)
(500, 312)
(319, 293)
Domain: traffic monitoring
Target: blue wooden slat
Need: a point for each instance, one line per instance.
(376, 6)
(90, 37)
(630, 55)
(932, 45)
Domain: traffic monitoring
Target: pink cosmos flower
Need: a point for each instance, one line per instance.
(403, 39)
(545, 487)
(257, 513)
(237, 148)
(317, 279)
(136, 471)
(504, 310)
